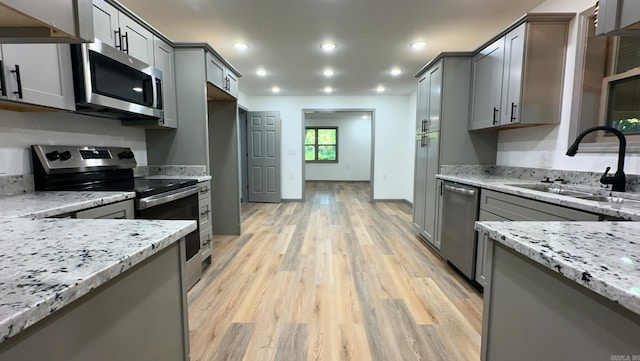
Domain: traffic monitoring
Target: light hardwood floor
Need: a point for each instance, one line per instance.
(333, 278)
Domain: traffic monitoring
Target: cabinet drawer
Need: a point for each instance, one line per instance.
(120, 210)
(204, 190)
(205, 216)
(516, 208)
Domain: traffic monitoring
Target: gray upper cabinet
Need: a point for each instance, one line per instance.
(487, 68)
(517, 78)
(122, 32)
(38, 74)
(164, 60)
(221, 76)
(29, 21)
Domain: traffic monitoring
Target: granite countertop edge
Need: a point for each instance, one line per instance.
(607, 282)
(504, 185)
(33, 313)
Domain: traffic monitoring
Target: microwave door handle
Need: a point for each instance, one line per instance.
(158, 94)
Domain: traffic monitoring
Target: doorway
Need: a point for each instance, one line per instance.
(353, 159)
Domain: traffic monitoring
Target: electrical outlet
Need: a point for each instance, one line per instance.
(384, 177)
(545, 160)
(291, 176)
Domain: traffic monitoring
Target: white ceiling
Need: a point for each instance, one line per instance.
(372, 36)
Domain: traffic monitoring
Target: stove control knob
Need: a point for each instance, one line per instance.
(66, 155)
(55, 155)
(126, 155)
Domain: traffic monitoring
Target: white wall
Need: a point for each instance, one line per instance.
(18, 131)
(545, 146)
(393, 165)
(354, 151)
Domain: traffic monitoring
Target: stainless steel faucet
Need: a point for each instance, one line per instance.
(618, 181)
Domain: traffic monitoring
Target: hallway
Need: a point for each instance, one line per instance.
(334, 278)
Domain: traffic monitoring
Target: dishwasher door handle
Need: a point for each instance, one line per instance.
(460, 190)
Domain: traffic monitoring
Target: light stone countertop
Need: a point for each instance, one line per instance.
(46, 264)
(601, 256)
(51, 204)
(624, 211)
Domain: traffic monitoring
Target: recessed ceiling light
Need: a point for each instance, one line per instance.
(275, 89)
(395, 71)
(328, 46)
(328, 89)
(365, 116)
(261, 72)
(380, 89)
(241, 46)
(418, 45)
(328, 72)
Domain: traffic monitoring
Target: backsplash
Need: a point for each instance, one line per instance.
(16, 184)
(591, 179)
(188, 170)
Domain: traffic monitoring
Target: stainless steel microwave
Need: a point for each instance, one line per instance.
(111, 84)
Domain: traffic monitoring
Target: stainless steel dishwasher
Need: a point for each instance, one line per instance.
(458, 237)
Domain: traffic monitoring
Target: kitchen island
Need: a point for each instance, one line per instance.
(562, 291)
(78, 289)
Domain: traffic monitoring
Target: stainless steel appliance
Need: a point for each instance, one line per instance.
(111, 84)
(87, 168)
(457, 235)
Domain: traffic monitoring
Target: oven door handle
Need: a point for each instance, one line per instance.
(158, 199)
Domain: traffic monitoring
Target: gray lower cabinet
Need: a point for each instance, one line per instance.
(37, 74)
(531, 313)
(120, 210)
(139, 315)
(518, 77)
(206, 232)
(496, 206)
(442, 137)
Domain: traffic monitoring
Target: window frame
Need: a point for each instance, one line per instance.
(595, 142)
(316, 145)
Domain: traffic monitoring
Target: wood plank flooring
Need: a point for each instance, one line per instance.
(333, 278)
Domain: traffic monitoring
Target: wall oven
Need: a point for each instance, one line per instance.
(111, 84)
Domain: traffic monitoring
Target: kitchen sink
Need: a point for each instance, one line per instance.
(553, 189)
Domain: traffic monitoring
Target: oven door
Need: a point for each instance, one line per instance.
(181, 204)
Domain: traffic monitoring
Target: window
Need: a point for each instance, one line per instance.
(607, 90)
(321, 144)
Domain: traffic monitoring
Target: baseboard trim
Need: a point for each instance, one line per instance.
(288, 200)
(393, 200)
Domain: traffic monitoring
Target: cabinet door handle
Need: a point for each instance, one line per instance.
(3, 83)
(204, 190)
(125, 48)
(118, 38)
(495, 120)
(424, 125)
(513, 111)
(19, 80)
